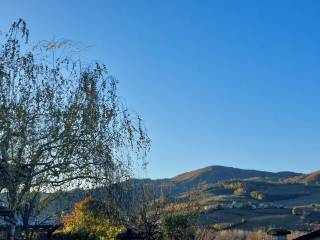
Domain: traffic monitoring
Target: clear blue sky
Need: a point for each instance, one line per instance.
(233, 83)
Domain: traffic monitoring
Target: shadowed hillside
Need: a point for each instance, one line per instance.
(220, 173)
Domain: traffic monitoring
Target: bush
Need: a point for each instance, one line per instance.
(233, 185)
(87, 219)
(181, 226)
(217, 227)
(240, 191)
(257, 195)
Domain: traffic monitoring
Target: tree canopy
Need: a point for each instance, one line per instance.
(62, 123)
(88, 218)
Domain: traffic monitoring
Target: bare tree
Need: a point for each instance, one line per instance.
(61, 121)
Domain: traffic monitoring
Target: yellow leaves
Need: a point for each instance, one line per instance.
(84, 218)
(181, 208)
(257, 195)
(176, 207)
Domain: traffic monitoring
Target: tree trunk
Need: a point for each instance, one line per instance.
(12, 231)
(12, 206)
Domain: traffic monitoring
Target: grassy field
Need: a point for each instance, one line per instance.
(254, 219)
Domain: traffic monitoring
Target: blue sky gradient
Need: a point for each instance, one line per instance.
(232, 83)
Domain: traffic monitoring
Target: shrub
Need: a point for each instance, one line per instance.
(217, 227)
(87, 220)
(181, 226)
(233, 185)
(257, 195)
(240, 191)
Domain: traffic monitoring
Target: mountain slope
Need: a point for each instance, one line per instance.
(311, 178)
(227, 195)
(213, 174)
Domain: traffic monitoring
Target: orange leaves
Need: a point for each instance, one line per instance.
(86, 218)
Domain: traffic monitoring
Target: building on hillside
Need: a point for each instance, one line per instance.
(40, 232)
(279, 234)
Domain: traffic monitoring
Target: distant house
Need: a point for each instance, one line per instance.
(41, 231)
(7, 215)
(278, 234)
(310, 236)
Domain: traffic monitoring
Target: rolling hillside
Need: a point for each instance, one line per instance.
(219, 173)
(263, 199)
(311, 178)
(214, 174)
(230, 195)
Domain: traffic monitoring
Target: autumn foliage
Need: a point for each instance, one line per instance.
(88, 219)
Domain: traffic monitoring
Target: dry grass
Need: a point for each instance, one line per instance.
(206, 234)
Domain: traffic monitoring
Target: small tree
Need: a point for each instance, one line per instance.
(180, 220)
(257, 195)
(179, 226)
(146, 210)
(62, 124)
(88, 218)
